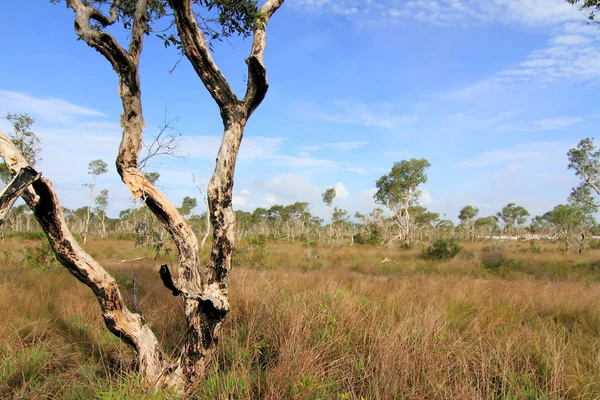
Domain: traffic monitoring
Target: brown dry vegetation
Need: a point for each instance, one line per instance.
(323, 322)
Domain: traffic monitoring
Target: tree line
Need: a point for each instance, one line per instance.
(400, 219)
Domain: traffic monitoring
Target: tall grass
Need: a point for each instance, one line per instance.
(347, 327)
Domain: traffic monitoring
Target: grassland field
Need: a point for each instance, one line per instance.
(510, 320)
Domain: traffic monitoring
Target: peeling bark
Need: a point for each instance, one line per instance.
(204, 289)
(129, 326)
(12, 191)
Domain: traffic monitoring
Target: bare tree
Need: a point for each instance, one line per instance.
(204, 289)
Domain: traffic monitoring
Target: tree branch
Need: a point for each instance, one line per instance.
(196, 50)
(103, 42)
(258, 84)
(128, 326)
(14, 189)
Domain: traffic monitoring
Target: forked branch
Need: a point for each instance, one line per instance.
(15, 189)
(129, 326)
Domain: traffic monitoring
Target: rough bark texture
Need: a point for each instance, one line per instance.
(203, 318)
(129, 326)
(204, 290)
(14, 189)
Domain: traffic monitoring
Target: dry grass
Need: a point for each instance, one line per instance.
(329, 323)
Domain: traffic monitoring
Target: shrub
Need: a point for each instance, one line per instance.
(373, 237)
(441, 249)
(254, 253)
(594, 244)
(493, 257)
(33, 235)
(40, 256)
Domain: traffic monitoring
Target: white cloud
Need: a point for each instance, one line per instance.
(336, 146)
(360, 171)
(302, 161)
(239, 201)
(50, 109)
(252, 148)
(290, 188)
(446, 12)
(270, 198)
(425, 198)
(379, 115)
(341, 192)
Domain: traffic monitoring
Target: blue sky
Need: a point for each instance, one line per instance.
(492, 92)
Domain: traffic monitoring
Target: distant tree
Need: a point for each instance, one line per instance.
(152, 177)
(399, 190)
(187, 205)
(24, 138)
(565, 219)
(328, 197)
(467, 217)
(486, 224)
(445, 227)
(101, 205)
(260, 214)
(340, 217)
(95, 168)
(513, 217)
(585, 161)
(425, 220)
(26, 141)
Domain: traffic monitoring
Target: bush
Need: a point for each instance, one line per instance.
(33, 235)
(441, 249)
(493, 257)
(373, 237)
(40, 256)
(594, 244)
(255, 253)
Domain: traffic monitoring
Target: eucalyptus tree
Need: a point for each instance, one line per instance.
(467, 217)
(28, 143)
(585, 161)
(565, 219)
(101, 202)
(328, 196)
(513, 217)
(425, 220)
(486, 225)
(187, 205)
(399, 190)
(203, 289)
(95, 168)
(445, 228)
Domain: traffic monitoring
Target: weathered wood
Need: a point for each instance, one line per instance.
(167, 279)
(204, 290)
(25, 177)
(129, 326)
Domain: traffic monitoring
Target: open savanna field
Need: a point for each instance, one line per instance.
(325, 321)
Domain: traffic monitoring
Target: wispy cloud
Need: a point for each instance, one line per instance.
(537, 153)
(50, 109)
(360, 171)
(379, 115)
(253, 148)
(554, 123)
(446, 12)
(336, 146)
